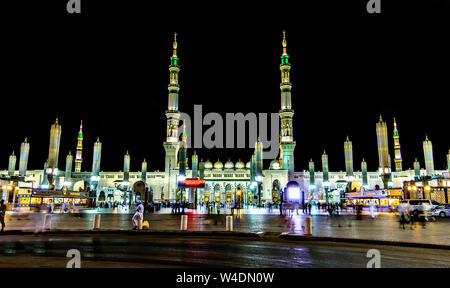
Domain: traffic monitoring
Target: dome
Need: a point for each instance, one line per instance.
(239, 165)
(229, 165)
(208, 165)
(218, 165)
(275, 164)
(248, 165)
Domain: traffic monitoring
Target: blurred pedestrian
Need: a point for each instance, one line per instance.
(138, 214)
(2, 214)
(372, 210)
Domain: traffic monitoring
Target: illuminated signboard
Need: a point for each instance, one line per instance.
(192, 182)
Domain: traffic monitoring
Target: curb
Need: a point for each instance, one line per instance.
(291, 237)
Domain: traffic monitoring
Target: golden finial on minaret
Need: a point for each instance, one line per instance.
(144, 160)
(70, 152)
(98, 139)
(284, 43)
(363, 160)
(26, 139)
(426, 137)
(175, 45)
(395, 124)
(13, 153)
(324, 152)
(347, 137)
(127, 152)
(56, 120)
(381, 119)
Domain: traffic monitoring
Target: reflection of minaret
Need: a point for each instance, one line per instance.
(23, 161)
(428, 153)
(364, 172)
(286, 113)
(12, 164)
(398, 155)
(68, 172)
(53, 152)
(79, 155)
(348, 151)
(382, 141)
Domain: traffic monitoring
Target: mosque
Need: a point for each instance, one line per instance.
(246, 182)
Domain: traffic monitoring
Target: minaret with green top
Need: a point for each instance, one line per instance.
(171, 145)
(79, 155)
(286, 112)
(397, 153)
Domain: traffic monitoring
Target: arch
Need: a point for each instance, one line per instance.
(140, 191)
(79, 186)
(217, 190)
(229, 195)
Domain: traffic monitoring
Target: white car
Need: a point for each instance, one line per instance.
(441, 211)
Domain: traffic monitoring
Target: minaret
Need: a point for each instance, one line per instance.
(312, 181)
(68, 172)
(126, 167)
(45, 178)
(428, 153)
(182, 152)
(144, 171)
(96, 159)
(171, 145)
(12, 164)
(398, 154)
(382, 141)
(79, 156)
(23, 161)
(364, 173)
(53, 152)
(194, 165)
(390, 169)
(325, 168)
(258, 157)
(348, 151)
(286, 112)
(448, 161)
(416, 169)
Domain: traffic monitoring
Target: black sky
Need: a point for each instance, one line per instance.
(109, 67)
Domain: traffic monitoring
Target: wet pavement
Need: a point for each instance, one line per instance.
(385, 227)
(226, 252)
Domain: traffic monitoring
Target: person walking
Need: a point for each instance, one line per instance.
(139, 213)
(372, 210)
(403, 214)
(2, 214)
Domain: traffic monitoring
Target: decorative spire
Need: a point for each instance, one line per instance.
(56, 122)
(347, 138)
(98, 139)
(363, 160)
(127, 152)
(26, 140)
(284, 43)
(175, 45)
(70, 152)
(381, 119)
(426, 137)
(395, 124)
(13, 153)
(324, 153)
(144, 160)
(81, 126)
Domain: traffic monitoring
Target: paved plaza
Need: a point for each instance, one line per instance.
(384, 227)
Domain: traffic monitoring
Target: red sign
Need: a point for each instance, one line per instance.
(192, 182)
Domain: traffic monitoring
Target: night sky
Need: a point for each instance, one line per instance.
(109, 68)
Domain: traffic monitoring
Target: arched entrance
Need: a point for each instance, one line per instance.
(239, 194)
(101, 196)
(217, 193)
(79, 186)
(140, 192)
(276, 191)
(229, 193)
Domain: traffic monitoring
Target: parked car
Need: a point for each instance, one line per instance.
(416, 204)
(441, 211)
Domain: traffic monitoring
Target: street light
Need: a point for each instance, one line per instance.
(259, 179)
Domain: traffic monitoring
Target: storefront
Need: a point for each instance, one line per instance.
(386, 198)
(29, 197)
